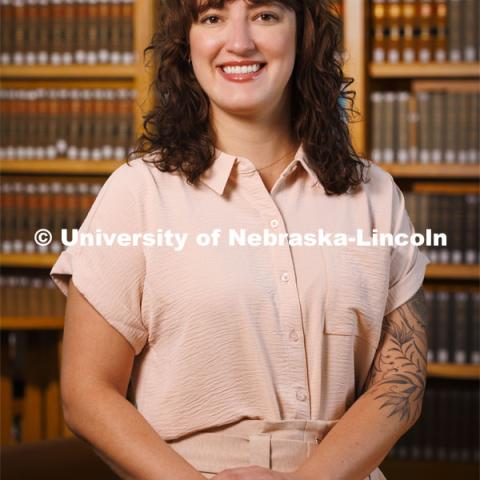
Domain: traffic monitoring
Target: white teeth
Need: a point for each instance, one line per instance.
(241, 70)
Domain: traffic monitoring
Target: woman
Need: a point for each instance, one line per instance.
(244, 350)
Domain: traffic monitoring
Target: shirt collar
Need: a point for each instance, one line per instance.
(216, 176)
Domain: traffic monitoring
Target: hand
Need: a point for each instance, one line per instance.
(254, 473)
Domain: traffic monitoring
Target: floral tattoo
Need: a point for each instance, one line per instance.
(398, 374)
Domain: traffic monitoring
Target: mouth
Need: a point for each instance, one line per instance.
(241, 72)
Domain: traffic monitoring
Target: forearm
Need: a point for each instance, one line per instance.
(123, 438)
(390, 405)
(356, 445)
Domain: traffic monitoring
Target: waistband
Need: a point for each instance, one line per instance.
(279, 445)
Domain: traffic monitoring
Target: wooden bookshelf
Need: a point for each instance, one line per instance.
(450, 370)
(418, 170)
(67, 72)
(28, 260)
(424, 70)
(434, 270)
(60, 166)
(454, 272)
(31, 323)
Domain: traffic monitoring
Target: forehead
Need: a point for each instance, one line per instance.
(200, 6)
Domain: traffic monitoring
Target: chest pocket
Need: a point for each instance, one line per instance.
(358, 281)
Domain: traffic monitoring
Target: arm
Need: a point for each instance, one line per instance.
(389, 407)
(96, 366)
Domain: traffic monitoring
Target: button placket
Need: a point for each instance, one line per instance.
(289, 308)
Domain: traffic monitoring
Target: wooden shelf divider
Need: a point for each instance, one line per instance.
(425, 70)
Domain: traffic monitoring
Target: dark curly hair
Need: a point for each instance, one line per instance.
(177, 129)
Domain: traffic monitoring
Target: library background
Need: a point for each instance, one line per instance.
(73, 90)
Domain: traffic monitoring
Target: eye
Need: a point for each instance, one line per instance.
(267, 17)
(210, 20)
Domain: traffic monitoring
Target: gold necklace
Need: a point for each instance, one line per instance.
(276, 161)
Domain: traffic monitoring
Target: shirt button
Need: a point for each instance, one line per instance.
(285, 277)
(293, 336)
(274, 223)
(301, 396)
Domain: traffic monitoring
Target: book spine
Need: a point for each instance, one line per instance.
(454, 31)
(127, 49)
(475, 315)
(438, 134)
(440, 42)
(425, 39)
(408, 39)
(473, 128)
(393, 39)
(442, 354)
(379, 36)
(389, 129)
(470, 46)
(403, 139)
(460, 338)
(424, 131)
(450, 134)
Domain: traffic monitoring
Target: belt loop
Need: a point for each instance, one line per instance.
(260, 450)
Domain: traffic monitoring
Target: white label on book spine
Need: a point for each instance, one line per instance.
(378, 55)
(393, 56)
(424, 156)
(456, 256)
(42, 58)
(409, 55)
(444, 256)
(67, 58)
(61, 146)
(442, 355)
(436, 156)
(470, 257)
(472, 156)
(450, 156)
(403, 156)
(424, 55)
(460, 357)
(51, 152)
(470, 54)
(455, 55)
(440, 56)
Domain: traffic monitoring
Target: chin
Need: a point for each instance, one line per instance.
(243, 107)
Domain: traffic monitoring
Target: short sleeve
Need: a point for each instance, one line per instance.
(110, 277)
(408, 264)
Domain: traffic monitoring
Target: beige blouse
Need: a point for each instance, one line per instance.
(229, 331)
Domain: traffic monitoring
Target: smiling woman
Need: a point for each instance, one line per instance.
(250, 362)
(293, 49)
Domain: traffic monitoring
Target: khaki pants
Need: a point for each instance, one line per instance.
(282, 446)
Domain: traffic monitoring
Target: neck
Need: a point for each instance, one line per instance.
(261, 138)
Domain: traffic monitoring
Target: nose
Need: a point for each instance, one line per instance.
(239, 37)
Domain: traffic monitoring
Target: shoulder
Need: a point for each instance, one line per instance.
(141, 175)
(378, 182)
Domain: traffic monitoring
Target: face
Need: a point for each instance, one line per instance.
(243, 55)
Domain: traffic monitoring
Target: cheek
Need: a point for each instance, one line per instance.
(203, 47)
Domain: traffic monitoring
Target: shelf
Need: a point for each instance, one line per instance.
(68, 71)
(31, 323)
(60, 166)
(28, 260)
(423, 70)
(37, 260)
(456, 272)
(419, 170)
(450, 370)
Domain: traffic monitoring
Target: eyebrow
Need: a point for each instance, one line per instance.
(219, 4)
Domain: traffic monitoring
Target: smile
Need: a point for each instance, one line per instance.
(242, 73)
